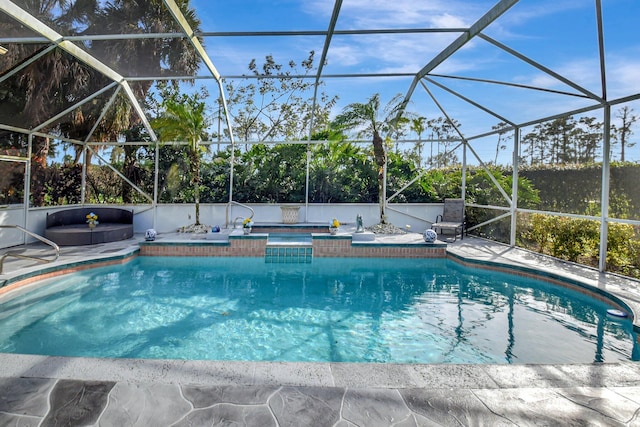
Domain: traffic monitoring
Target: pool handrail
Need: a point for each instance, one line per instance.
(238, 204)
(21, 256)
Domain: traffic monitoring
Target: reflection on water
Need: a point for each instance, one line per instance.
(356, 310)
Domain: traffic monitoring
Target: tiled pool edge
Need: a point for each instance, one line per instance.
(554, 279)
(42, 273)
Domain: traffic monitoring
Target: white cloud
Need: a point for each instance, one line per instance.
(447, 20)
(401, 13)
(622, 75)
(621, 72)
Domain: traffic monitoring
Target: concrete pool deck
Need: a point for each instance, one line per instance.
(46, 391)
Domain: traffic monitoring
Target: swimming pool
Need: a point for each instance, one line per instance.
(332, 310)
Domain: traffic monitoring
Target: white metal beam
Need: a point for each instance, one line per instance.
(494, 13)
(193, 39)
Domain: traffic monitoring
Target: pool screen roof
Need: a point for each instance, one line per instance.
(65, 65)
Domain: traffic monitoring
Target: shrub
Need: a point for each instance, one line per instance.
(578, 240)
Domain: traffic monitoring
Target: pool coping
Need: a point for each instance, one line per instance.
(557, 279)
(606, 286)
(322, 374)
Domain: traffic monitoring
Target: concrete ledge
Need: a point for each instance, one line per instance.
(367, 236)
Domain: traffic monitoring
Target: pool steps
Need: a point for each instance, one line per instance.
(288, 248)
(279, 254)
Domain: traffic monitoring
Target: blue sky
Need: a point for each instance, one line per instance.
(559, 34)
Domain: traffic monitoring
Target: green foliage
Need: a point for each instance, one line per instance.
(64, 185)
(216, 177)
(342, 172)
(103, 185)
(623, 249)
(481, 190)
(578, 240)
(174, 184)
(11, 183)
(271, 174)
(400, 171)
(439, 184)
(576, 188)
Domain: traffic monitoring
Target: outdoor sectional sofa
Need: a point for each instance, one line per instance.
(69, 227)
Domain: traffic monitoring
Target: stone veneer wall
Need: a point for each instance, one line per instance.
(342, 246)
(323, 247)
(247, 246)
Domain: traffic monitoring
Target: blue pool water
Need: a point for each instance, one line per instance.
(351, 310)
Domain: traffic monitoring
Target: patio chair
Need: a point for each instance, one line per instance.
(452, 218)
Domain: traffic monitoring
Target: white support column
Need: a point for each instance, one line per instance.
(464, 170)
(156, 179)
(83, 189)
(604, 201)
(514, 187)
(27, 187)
(306, 183)
(384, 187)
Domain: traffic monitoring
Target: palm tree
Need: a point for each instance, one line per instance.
(184, 119)
(366, 117)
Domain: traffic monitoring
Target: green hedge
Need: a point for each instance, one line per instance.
(578, 240)
(576, 189)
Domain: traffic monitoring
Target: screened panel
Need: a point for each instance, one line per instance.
(231, 58)
(48, 87)
(12, 28)
(11, 182)
(384, 53)
(80, 123)
(215, 173)
(420, 15)
(562, 160)
(342, 173)
(495, 150)
(623, 249)
(19, 55)
(624, 191)
(61, 19)
(268, 173)
(13, 144)
(567, 238)
(498, 230)
(106, 184)
(249, 15)
(146, 57)
(173, 180)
